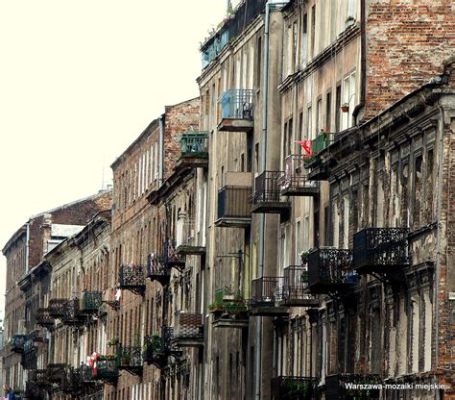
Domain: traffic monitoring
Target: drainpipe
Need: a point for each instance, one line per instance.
(27, 246)
(363, 63)
(271, 4)
(438, 232)
(161, 149)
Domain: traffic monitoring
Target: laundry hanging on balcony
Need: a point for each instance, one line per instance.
(306, 146)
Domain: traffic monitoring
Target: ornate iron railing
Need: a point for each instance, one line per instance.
(91, 301)
(57, 307)
(17, 343)
(188, 326)
(328, 266)
(294, 388)
(267, 290)
(44, 318)
(194, 144)
(34, 391)
(106, 368)
(229, 302)
(156, 267)
(72, 314)
(129, 356)
(237, 104)
(234, 202)
(267, 187)
(131, 276)
(381, 247)
(171, 257)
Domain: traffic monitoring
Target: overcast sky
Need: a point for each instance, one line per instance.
(79, 81)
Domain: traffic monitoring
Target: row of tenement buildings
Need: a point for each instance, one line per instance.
(286, 235)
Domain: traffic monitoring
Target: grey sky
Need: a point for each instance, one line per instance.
(79, 81)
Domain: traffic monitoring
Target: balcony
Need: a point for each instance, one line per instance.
(130, 359)
(72, 315)
(29, 355)
(194, 150)
(90, 302)
(294, 181)
(336, 386)
(17, 343)
(106, 369)
(187, 241)
(266, 294)
(294, 388)
(267, 194)
(57, 308)
(156, 270)
(34, 391)
(234, 200)
(56, 374)
(330, 270)
(381, 250)
(295, 289)
(171, 257)
(132, 277)
(312, 160)
(188, 330)
(237, 109)
(155, 351)
(229, 310)
(44, 318)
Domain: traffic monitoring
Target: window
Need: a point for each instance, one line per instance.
(337, 108)
(348, 101)
(304, 55)
(313, 30)
(328, 112)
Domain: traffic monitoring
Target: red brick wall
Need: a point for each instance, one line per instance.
(407, 43)
(179, 119)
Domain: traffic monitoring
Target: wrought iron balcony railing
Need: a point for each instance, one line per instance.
(295, 288)
(130, 358)
(132, 277)
(188, 330)
(294, 181)
(267, 195)
(157, 270)
(336, 386)
(17, 343)
(106, 368)
(90, 302)
(171, 257)
(29, 355)
(72, 315)
(294, 388)
(39, 377)
(155, 351)
(234, 207)
(56, 374)
(381, 249)
(237, 104)
(44, 318)
(330, 270)
(34, 391)
(266, 296)
(194, 144)
(320, 143)
(57, 307)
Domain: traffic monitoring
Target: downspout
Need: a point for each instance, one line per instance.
(27, 246)
(263, 167)
(161, 149)
(363, 62)
(438, 235)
